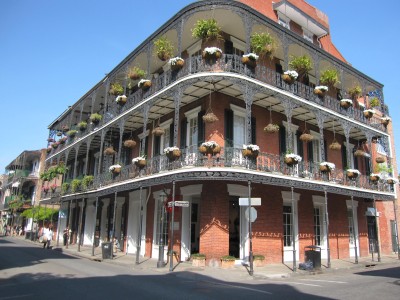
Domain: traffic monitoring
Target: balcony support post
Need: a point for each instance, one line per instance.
(321, 117)
(145, 111)
(177, 102)
(289, 106)
(346, 128)
(248, 94)
(103, 133)
(121, 125)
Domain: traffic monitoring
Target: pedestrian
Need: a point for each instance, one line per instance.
(47, 236)
(65, 235)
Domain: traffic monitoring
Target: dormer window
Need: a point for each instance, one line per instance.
(307, 35)
(284, 21)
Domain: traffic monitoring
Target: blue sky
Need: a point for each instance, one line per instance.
(53, 52)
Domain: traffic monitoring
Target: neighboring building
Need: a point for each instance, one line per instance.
(21, 187)
(296, 200)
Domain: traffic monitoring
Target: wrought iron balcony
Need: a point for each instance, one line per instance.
(230, 159)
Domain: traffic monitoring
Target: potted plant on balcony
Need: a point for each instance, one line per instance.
(290, 76)
(116, 89)
(129, 143)
(374, 177)
(262, 44)
(140, 161)
(158, 131)
(45, 189)
(385, 121)
(109, 151)
(335, 145)
(87, 180)
(75, 185)
(354, 92)
(48, 150)
(346, 103)
(62, 140)
(374, 102)
(121, 99)
(65, 187)
(136, 73)
(391, 180)
(250, 151)
(380, 159)
(329, 77)
(352, 173)
(207, 29)
(176, 63)
(55, 145)
(64, 128)
(82, 125)
(320, 90)
(144, 84)
(326, 167)
(301, 64)
(198, 260)
(292, 159)
(173, 153)
(271, 128)
(116, 169)
(72, 133)
(95, 118)
(227, 261)
(209, 147)
(163, 48)
(250, 60)
(368, 113)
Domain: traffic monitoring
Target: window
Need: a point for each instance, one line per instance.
(307, 35)
(317, 227)
(239, 126)
(294, 138)
(287, 226)
(283, 20)
(192, 135)
(351, 229)
(162, 224)
(166, 137)
(314, 154)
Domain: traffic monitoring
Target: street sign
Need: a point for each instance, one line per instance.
(179, 203)
(254, 201)
(252, 215)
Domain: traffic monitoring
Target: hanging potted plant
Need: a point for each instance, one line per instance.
(129, 143)
(354, 92)
(55, 145)
(290, 76)
(359, 152)
(209, 116)
(176, 63)
(62, 140)
(136, 73)
(380, 159)
(209, 147)
(59, 133)
(121, 99)
(326, 167)
(173, 153)
(329, 77)
(320, 90)
(306, 136)
(212, 53)
(374, 102)
(95, 118)
(109, 151)
(352, 173)
(374, 177)
(163, 48)
(346, 103)
(139, 161)
(116, 169)
(250, 151)
(301, 64)
(335, 145)
(144, 84)
(82, 125)
(385, 121)
(292, 159)
(116, 89)
(158, 131)
(271, 128)
(250, 60)
(262, 44)
(72, 133)
(65, 128)
(368, 113)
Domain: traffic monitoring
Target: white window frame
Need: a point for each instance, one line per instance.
(191, 114)
(355, 222)
(166, 126)
(316, 144)
(287, 201)
(283, 20)
(239, 112)
(294, 130)
(319, 202)
(308, 35)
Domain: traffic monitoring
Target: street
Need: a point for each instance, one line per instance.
(29, 272)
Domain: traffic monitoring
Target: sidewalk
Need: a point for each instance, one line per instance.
(238, 272)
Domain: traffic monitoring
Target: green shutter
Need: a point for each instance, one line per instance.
(282, 139)
(228, 128)
(183, 133)
(201, 130)
(253, 131)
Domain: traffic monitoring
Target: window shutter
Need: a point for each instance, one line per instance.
(253, 131)
(300, 148)
(183, 133)
(146, 145)
(171, 134)
(326, 150)
(278, 68)
(157, 144)
(228, 47)
(228, 128)
(310, 150)
(282, 139)
(344, 158)
(355, 158)
(367, 167)
(201, 130)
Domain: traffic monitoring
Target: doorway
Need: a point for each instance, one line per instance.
(372, 235)
(234, 227)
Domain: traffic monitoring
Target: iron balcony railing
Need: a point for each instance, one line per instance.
(233, 64)
(231, 158)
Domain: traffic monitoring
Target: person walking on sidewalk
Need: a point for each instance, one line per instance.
(48, 233)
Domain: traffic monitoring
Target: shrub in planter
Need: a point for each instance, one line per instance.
(301, 64)
(374, 102)
(82, 125)
(72, 133)
(65, 187)
(116, 89)
(95, 118)
(206, 29)
(227, 261)
(87, 181)
(75, 185)
(258, 260)
(355, 92)
(329, 77)
(198, 260)
(262, 44)
(163, 48)
(136, 73)
(176, 63)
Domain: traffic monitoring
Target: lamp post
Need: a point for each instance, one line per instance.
(139, 238)
(328, 250)
(376, 229)
(171, 262)
(250, 238)
(354, 230)
(160, 262)
(293, 232)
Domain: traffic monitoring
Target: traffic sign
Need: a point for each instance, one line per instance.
(252, 215)
(179, 203)
(254, 201)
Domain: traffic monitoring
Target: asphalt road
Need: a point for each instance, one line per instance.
(29, 272)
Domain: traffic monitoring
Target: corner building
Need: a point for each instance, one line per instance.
(301, 205)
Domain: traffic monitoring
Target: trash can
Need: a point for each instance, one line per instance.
(313, 254)
(106, 250)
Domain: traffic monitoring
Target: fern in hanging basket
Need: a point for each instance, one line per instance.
(129, 143)
(116, 89)
(359, 152)
(210, 117)
(109, 151)
(335, 145)
(271, 128)
(306, 137)
(136, 73)
(380, 159)
(158, 131)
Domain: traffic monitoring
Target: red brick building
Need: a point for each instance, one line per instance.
(315, 149)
